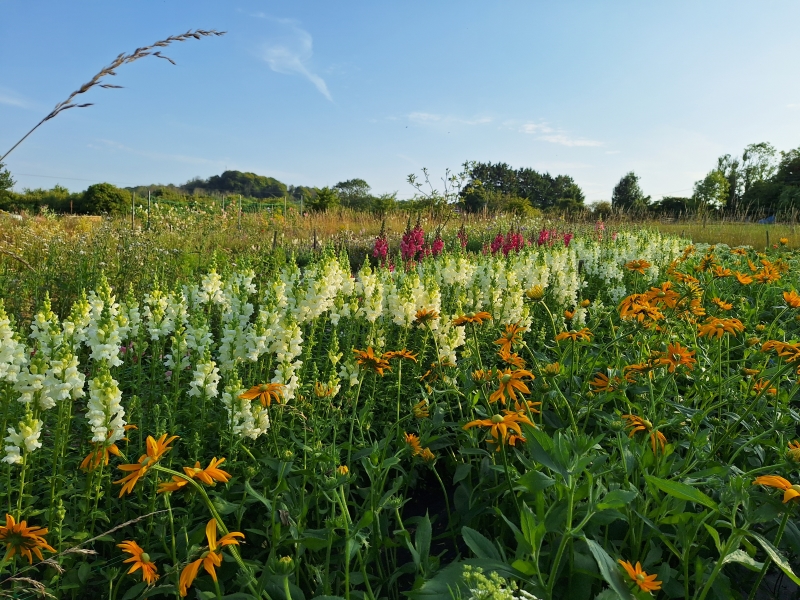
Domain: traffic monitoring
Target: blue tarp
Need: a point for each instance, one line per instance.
(768, 221)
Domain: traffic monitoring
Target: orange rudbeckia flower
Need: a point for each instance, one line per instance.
(265, 392)
(639, 424)
(141, 560)
(790, 491)
(369, 360)
(510, 383)
(210, 559)
(21, 539)
(646, 583)
(472, 317)
(155, 451)
(503, 427)
(511, 336)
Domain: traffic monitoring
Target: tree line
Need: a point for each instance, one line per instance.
(759, 182)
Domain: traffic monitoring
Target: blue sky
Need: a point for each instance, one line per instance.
(314, 93)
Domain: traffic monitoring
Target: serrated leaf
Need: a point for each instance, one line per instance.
(743, 558)
(776, 557)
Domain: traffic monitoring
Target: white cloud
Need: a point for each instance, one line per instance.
(182, 158)
(10, 98)
(291, 53)
(422, 118)
(546, 133)
(795, 105)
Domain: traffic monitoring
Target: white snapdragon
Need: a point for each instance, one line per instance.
(206, 378)
(246, 418)
(105, 412)
(26, 439)
(63, 379)
(12, 352)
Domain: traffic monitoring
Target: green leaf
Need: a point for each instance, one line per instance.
(480, 545)
(743, 558)
(714, 534)
(535, 481)
(776, 557)
(83, 571)
(523, 566)
(134, 591)
(257, 496)
(616, 499)
(540, 455)
(422, 538)
(681, 491)
(609, 570)
(462, 471)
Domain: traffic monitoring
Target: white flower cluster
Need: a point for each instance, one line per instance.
(27, 438)
(12, 351)
(206, 378)
(247, 418)
(105, 414)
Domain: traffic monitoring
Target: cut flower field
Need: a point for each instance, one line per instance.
(556, 416)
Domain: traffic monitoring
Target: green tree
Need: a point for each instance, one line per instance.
(354, 193)
(383, 204)
(105, 198)
(712, 191)
(627, 194)
(6, 182)
(325, 199)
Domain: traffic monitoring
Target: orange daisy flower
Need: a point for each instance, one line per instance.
(761, 385)
(512, 336)
(426, 315)
(794, 451)
(265, 392)
(472, 317)
(510, 383)
(722, 304)
(792, 299)
(742, 278)
(502, 427)
(404, 354)
(677, 355)
(637, 266)
(368, 359)
(155, 451)
(646, 583)
(602, 383)
(714, 327)
(102, 452)
(210, 559)
(412, 439)
(21, 539)
(790, 491)
(512, 358)
(639, 424)
(576, 336)
(141, 560)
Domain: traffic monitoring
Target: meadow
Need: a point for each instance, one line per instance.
(210, 406)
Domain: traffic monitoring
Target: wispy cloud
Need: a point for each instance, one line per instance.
(182, 158)
(291, 52)
(11, 98)
(794, 105)
(424, 118)
(545, 133)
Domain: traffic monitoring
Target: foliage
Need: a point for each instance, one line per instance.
(105, 198)
(711, 192)
(628, 196)
(325, 199)
(488, 182)
(246, 184)
(6, 181)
